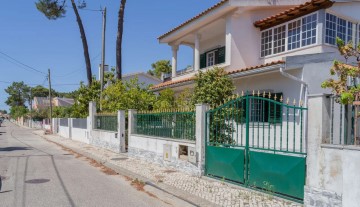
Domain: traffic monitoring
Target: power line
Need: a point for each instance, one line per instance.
(21, 63)
(77, 70)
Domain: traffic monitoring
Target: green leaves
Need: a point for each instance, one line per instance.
(52, 9)
(212, 87)
(127, 95)
(346, 94)
(161, 66)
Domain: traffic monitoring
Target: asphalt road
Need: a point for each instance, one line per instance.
(38, 173)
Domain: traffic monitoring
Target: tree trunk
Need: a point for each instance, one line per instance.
(84, 42)
(119, 40)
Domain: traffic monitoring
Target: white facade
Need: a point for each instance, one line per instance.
(231, 25)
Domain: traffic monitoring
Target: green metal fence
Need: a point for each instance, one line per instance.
(107, 122)
(176, 125)
(257, 139)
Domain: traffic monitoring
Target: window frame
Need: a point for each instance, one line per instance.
(355, 28)
(207, 58)
(286, 35)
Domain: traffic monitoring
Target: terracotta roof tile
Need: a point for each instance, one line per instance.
(169, 83)
(293, 13)
(194, 18)
(256, 67)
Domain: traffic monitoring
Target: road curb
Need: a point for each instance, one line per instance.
(180, 194)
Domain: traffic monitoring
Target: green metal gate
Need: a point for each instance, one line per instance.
(258, 141)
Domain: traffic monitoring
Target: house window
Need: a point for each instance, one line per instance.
(266, 43)
(309, 30)
(337, 27)
(210, 58)
(330, 37)
(279, 39)
(288, 36)
(262, 110)
(294, 31)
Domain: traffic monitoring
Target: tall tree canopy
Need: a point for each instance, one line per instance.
(161, 66)
(54, 9)
(18, 94)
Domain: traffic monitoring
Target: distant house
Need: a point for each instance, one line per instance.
(43, 102)
(142, 77)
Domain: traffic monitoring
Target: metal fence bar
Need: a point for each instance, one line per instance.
(176, 125)
(64, 122)
(106, 122)
(279, 125)
(80, 123)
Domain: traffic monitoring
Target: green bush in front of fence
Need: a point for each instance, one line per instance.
(106, 122)
(176, 125)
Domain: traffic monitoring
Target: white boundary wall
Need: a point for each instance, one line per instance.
(332, 170)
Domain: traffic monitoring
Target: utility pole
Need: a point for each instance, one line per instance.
(49, 78)
(31, 121)
(103, 55)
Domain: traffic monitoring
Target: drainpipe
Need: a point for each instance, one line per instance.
(304, 86)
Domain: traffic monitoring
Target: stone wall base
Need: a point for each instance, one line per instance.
(319, 197)
(153, 157)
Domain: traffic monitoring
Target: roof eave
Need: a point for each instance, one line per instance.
(196, 22)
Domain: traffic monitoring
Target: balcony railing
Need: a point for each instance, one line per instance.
(189, 69)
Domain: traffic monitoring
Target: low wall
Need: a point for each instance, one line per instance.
(64, 131)
(152, 150)
(336, 181)
(46, 126)
(105, 139)
(80, 135)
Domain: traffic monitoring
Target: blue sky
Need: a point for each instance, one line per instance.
(27, 36)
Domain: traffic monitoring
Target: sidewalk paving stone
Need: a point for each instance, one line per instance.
(217, 192)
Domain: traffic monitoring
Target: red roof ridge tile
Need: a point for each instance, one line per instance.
(168, 83)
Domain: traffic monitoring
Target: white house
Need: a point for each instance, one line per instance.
(142, 77)
(261, 43)
(277, 46)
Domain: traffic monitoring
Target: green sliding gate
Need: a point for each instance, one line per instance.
(258, 141)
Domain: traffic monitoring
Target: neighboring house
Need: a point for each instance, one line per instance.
(43, 102)
(143, 77)
(285, 48)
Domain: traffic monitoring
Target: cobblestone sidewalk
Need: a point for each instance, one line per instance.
(217, 192)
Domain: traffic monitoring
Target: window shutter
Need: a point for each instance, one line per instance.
(203, 60)
(220, 55)
(216, 57)
(275, 110)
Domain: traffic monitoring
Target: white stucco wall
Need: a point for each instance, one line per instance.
(81, 135)
(64, 131)
(105, 139)
(156, 145)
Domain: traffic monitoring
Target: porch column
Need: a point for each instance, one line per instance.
(197, 52)
(175, 49)
(228, 39)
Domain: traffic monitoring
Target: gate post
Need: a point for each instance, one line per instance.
(200, 135)
(318, 130)
(121, 129)
(92, 112)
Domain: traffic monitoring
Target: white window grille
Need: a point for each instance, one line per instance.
(266, 43)
(338, 27)
(309, 30)
(294, 31)
(279, 39)
(210, 59)
(298, 33)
